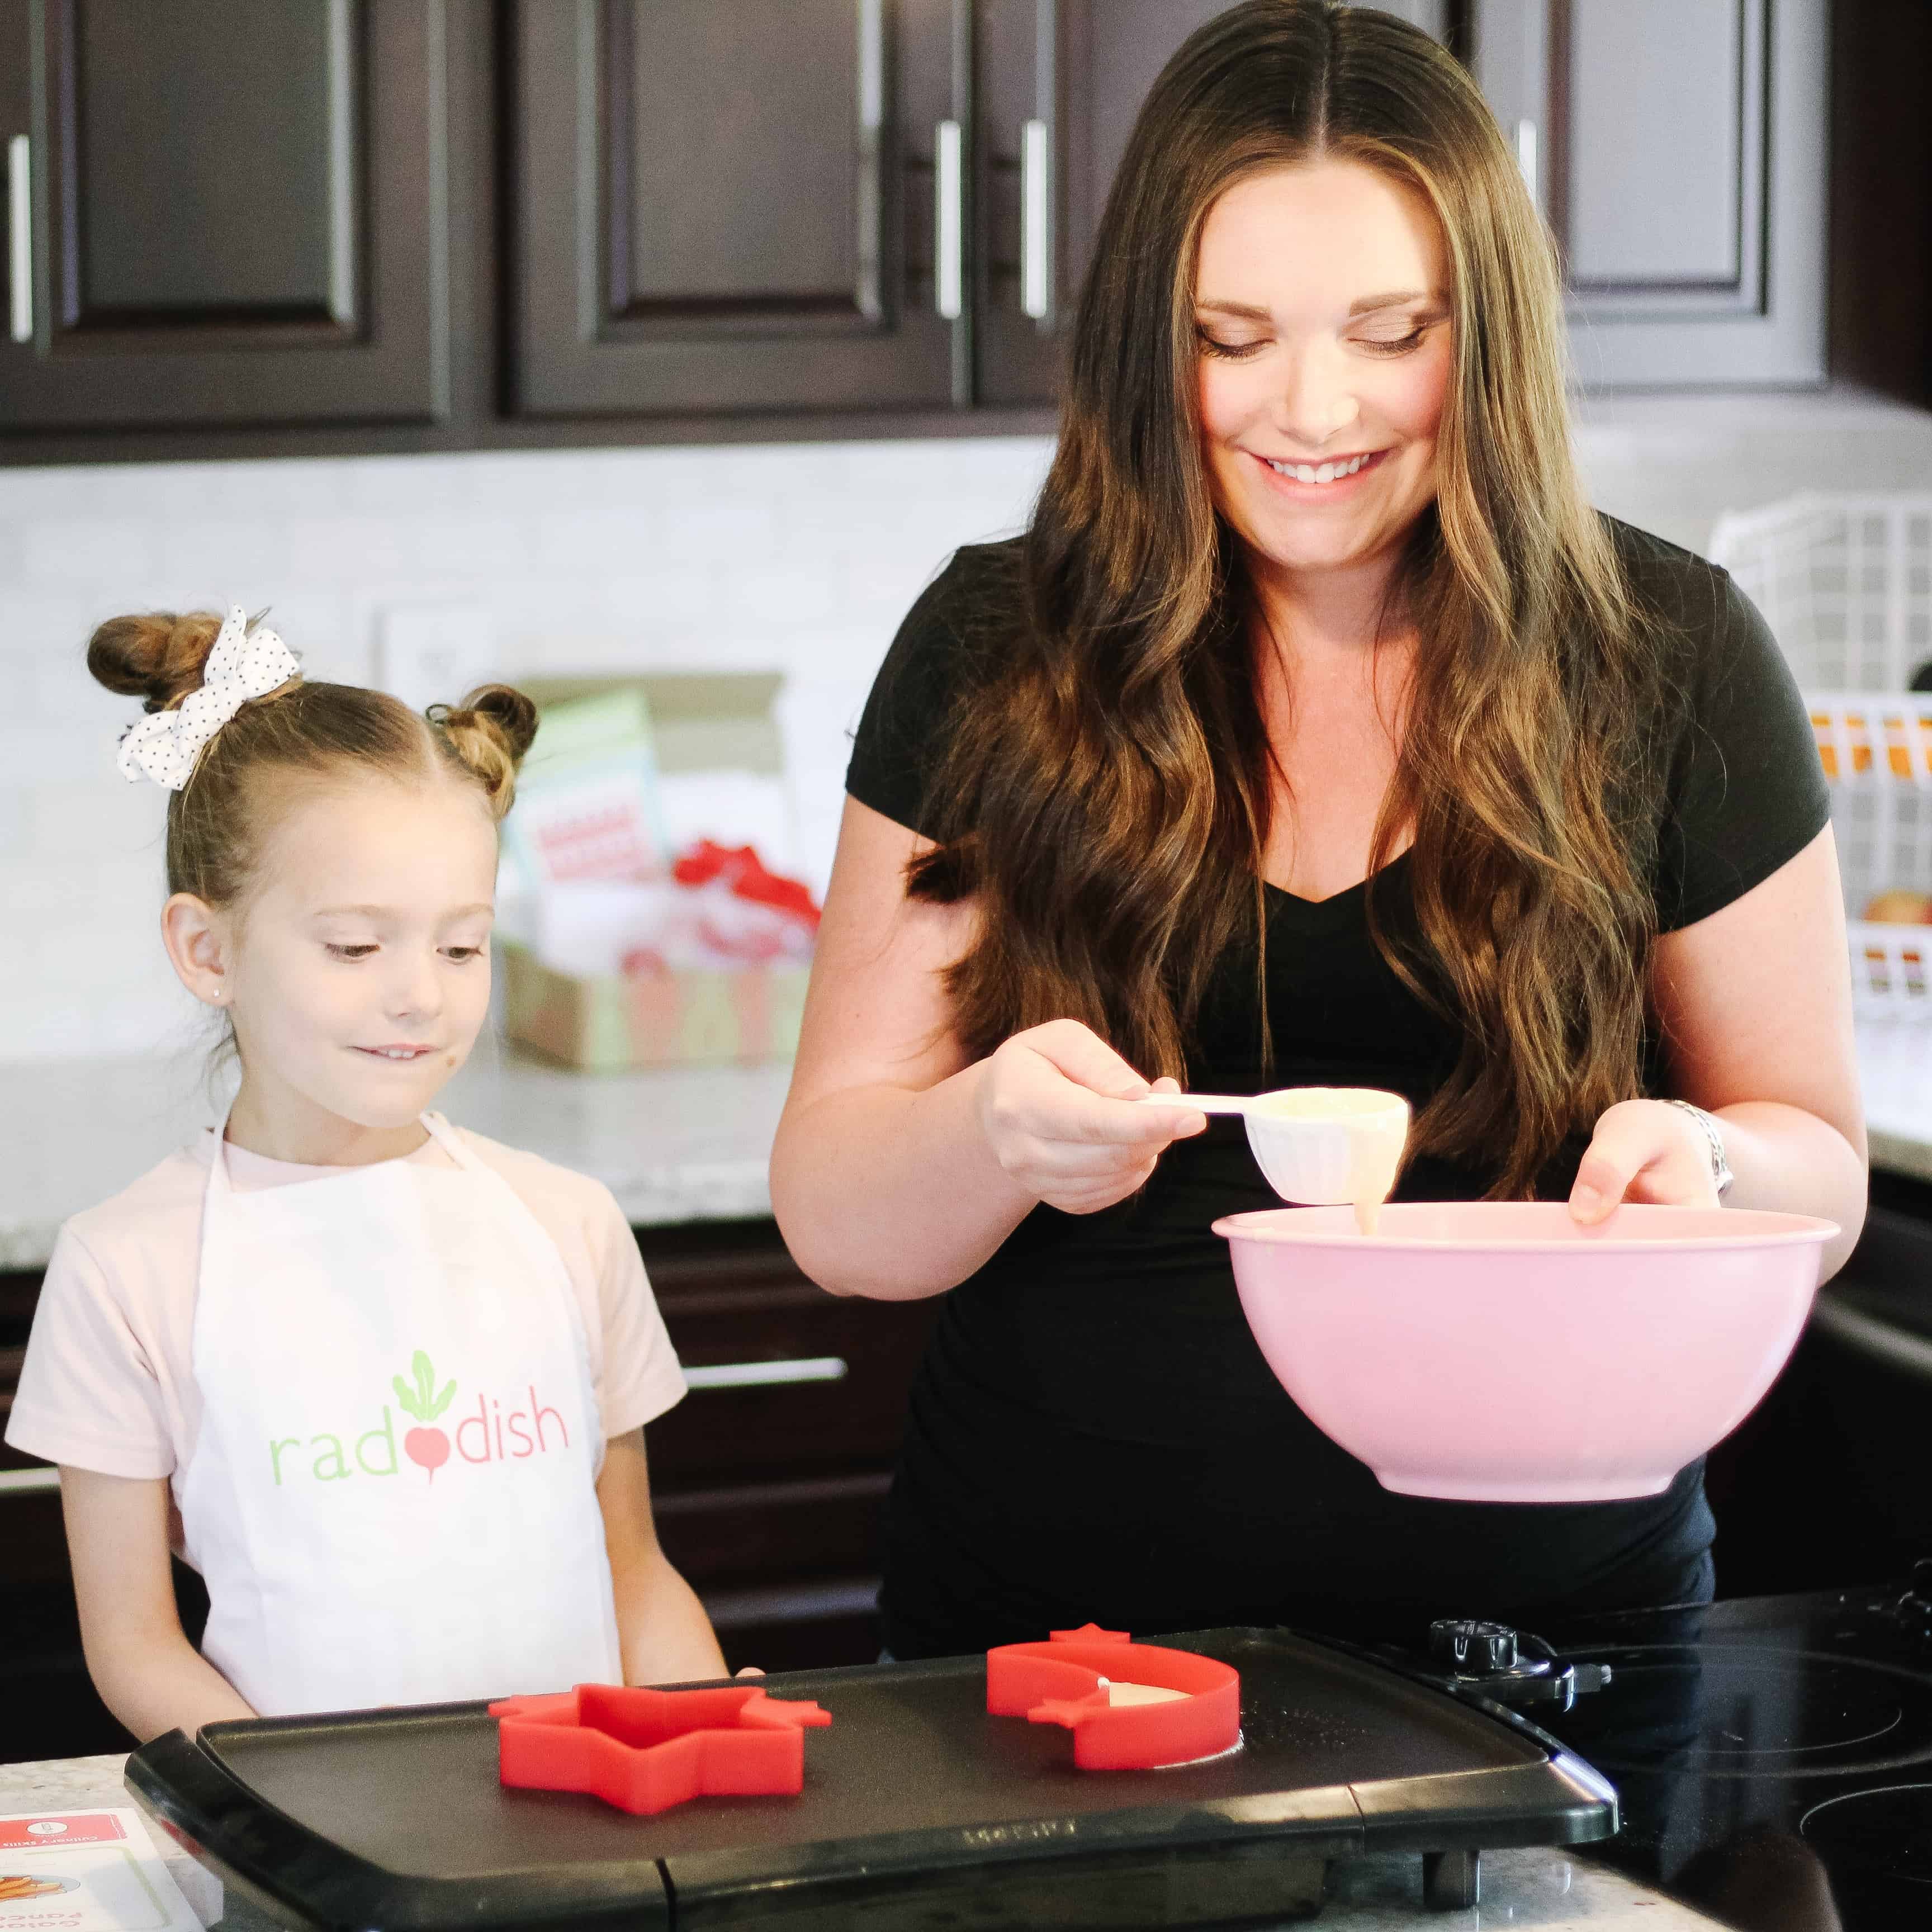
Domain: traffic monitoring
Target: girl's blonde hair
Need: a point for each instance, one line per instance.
(301, 731)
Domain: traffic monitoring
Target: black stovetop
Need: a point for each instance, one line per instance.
(1773, 1754)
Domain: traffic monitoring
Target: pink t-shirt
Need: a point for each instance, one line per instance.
(108, 1384)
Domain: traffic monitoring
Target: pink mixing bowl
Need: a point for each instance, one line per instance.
(1495, 1351)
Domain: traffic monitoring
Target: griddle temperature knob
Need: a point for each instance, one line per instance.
(1913, 1610)
(1495, 1661)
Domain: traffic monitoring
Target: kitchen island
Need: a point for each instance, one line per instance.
(1523, 1889)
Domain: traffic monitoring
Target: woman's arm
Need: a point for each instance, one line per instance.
(1754, 1004)
(662, 1631)
(146, 1671)
(899, 1168)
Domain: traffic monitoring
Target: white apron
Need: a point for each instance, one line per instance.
(392, 1496)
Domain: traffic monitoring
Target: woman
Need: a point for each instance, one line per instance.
(1317, 731)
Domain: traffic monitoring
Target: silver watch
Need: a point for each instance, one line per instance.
(1721, 1169)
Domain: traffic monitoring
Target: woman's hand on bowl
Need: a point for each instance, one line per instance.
(1643, 1151)
(1056, 1106)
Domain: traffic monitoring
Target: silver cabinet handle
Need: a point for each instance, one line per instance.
(20, 235)
(1036, 220)
(767, 1374)
(950, 221)
(29, 1482)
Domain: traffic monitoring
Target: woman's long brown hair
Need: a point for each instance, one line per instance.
(1105, 796)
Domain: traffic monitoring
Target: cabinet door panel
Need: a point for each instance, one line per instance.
(746, 188)
(1615, 183)
(730, 205)
(1679, 155)
(162, 221)
(1081, 68)
(235, 211)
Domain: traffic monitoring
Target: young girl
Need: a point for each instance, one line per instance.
(381, 1381)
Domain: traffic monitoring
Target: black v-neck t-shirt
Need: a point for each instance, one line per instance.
(1093, 1433)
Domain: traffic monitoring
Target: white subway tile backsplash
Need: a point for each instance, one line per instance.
(329, 548)
(459, 549)
(84, 822)
(796, 558)
(57, 690)
(217, 561)
(86, 550)
(32, 757)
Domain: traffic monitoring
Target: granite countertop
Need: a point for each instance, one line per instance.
(681, 1144)
(1525, 1889)
(1895, 1072)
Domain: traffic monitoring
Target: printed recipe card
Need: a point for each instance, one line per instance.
(85, 1871)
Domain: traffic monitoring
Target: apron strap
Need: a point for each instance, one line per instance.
(219, 1179)
(452, 1144)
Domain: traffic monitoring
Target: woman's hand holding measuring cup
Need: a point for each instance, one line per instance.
(1056, 1107)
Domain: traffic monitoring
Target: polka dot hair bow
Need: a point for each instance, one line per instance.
(244, 663)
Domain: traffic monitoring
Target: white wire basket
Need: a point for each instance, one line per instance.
(1845, 583)
(1876, 751)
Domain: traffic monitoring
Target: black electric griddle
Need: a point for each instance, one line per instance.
(918, 1809)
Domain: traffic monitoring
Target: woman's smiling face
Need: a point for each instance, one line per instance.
(1322, 308)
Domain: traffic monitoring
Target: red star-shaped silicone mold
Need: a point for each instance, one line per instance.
(1070, 1680)
(645, 1751)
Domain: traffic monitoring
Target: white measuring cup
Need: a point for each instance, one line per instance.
(1319, 1147)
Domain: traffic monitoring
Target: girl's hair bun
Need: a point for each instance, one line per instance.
(489, 731)
(156, 655)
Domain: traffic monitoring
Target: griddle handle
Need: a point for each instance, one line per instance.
(299, 1878)
(211, 1814)
(218, 1821)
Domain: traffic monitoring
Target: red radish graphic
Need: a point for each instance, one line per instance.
(428, 1448)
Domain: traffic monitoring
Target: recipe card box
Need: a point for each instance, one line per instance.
(662, 1018)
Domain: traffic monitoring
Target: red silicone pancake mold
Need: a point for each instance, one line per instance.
(645, 1751)
(1066, 1682)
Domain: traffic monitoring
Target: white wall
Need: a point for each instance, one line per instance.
(798, 557)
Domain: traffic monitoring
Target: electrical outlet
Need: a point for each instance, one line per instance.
(435, 653)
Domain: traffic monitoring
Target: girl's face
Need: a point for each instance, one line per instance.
(1321, 305)
(359, 972)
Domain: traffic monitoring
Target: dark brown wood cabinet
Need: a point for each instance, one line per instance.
(768, 1480)
(1679, 155)
(1881, 197)
(271, 226)
(224, 212)
(739, 205)
(48, 1708)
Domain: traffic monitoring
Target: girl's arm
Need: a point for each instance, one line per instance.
(899, 1166)
(1754, 1004)
(146, 1671)
(662, 1631)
